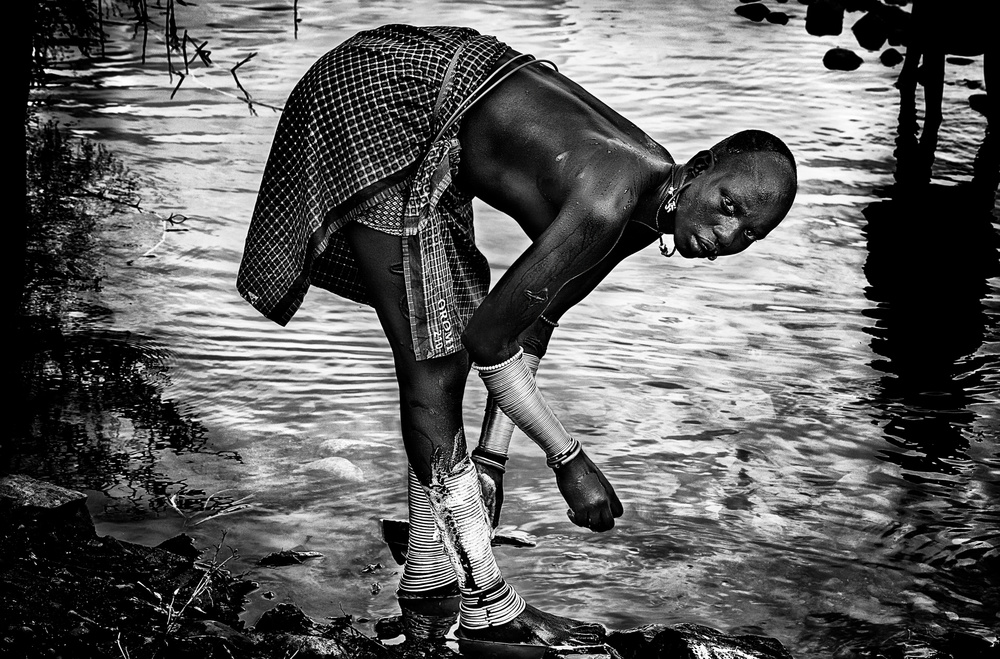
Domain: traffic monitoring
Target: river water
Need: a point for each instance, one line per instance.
(794, 458)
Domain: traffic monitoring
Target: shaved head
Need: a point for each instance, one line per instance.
(761, 142)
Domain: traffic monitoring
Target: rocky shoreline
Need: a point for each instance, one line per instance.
(67, 592)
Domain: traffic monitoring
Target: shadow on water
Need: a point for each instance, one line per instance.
(933, 259)
(93, 416)
(89, 412)
(932, 251)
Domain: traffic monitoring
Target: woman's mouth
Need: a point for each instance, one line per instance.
(704, 248)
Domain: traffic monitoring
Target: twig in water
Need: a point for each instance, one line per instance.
(199, 51)
(171, 221)
(180, 76)
(248, 100)
(205, 514)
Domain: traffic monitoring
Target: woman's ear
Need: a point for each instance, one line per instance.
(700, 163)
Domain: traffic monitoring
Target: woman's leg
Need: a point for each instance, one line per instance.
(430, 409)
(431, 394)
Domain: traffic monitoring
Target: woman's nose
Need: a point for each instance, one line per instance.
(726, 231)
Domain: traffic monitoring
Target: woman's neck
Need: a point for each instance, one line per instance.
(649, 212)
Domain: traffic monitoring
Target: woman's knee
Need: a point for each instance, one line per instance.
(429, 381)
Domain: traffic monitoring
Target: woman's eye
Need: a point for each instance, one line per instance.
(751, 236)
(727, 205)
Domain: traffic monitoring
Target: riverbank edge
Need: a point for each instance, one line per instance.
(67, 592)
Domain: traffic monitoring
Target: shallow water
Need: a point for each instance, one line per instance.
(794, 457)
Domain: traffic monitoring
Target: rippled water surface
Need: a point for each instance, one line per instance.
(781, 472)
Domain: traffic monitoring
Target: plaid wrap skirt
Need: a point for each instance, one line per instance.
(362, 126)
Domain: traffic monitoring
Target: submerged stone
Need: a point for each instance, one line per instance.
(182, 545)
(891, 57)
(841, 59)
(870, 31)
(756, 12)
(825, 17)
(688, 641)
(340, 467)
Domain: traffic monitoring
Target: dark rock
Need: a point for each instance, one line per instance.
(841, 59)
(307, 647)
(287, 557)
(777, 17)
(285, 631)
(825, 17)
(182, 545)
(285, 618)
(870, 31)
(582, 652)
(687, 641)
(756, 12)
(980, 103)
(25, 501)
(891, 57)
(959, 61)
(207, 639)
(896, 22)
(856, 5)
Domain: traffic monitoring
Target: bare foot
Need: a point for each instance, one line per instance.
(536, 627)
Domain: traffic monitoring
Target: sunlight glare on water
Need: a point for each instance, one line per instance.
(730, 402)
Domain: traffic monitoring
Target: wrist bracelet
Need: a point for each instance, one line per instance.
(564, 457)
(490, 459)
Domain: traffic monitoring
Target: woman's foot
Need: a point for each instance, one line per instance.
(536, 627)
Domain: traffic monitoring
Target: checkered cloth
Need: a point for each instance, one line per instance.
(359, 129)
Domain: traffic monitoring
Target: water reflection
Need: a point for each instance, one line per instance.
(734, 403)
(932, 252)
(93, 417)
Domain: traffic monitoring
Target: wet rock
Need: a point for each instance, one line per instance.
(896, 23)
(287, 557)
(285, 618)
(686, 641)
(756, 11)
(777, 17)
(25, 501)
(341, 468)
(285, 631)
(870, 31)
(913, 643)
(825, 17)
(207, 639)
(979, 103)
(582, 652)
(891, 57)
(841, 59)
(182, 545)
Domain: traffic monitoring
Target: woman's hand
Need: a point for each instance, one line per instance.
(592, 501)
(491, 482)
